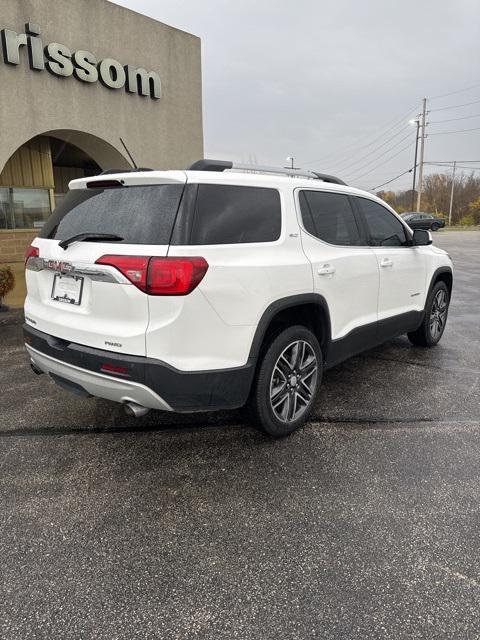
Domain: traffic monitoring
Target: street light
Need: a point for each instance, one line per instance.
(417, 122)
(291, 159)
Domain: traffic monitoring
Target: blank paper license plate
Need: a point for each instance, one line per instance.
(67, 289)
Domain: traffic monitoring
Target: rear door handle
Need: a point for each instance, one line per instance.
(386, 262)
(326, 270)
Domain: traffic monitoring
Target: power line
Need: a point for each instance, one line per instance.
(452, 161)
(455, 106)
(385, 152)
(341, 154)
(361, 158)
(338, 165)
(461, 166)
(378, 165)
(477, 115)
(452, 93)
(449, 164)
(392, 180)
(443, 133)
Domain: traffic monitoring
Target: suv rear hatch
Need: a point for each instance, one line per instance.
(73, 297)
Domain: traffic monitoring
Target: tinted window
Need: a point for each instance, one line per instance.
(226, 214)
(23, 208)
(140, 215)
(384, 228)
(329, 216)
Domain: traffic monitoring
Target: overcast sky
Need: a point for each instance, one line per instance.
(334, 83)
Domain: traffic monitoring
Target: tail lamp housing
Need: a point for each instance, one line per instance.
(31, 252)
(160, 276)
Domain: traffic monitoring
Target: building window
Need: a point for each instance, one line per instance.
(24, 208)
(4, 208)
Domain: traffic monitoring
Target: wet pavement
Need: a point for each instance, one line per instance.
(364, 524)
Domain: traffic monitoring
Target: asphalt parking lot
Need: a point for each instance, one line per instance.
(365, 524)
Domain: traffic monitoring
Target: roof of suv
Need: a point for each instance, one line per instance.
(253, 178)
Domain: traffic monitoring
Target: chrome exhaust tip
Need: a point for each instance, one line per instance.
(135, 410)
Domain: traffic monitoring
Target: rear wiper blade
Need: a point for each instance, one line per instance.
(89, 236)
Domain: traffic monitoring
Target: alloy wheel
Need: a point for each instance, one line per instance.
(438, 314)
(293, 381)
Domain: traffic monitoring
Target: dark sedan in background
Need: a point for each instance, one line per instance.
(417, 220)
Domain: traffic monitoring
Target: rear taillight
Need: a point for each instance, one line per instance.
(31, 252)
(133, 267)
(169, 276)
(175, 276)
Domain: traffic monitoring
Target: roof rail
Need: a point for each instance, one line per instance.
(108, 171)
(223, 165)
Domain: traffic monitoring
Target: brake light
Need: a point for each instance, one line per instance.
(31, 252)
(133, 267)
(170, 276)
(175, 276)
(104, 184)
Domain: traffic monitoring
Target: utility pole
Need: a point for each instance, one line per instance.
(422, 154)
(417, 122)
(451, 194)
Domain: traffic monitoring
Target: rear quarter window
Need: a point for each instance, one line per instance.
(140, 215)
(229, 214)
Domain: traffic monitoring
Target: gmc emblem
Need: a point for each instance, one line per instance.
(59, 265)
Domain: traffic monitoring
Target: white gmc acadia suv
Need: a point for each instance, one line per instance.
(223, 285)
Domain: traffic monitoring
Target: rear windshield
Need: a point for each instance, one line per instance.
(139, 215)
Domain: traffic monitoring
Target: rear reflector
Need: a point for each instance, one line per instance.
(31, 252)
(169, 276)
(116, 369)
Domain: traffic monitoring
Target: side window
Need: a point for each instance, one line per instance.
(329, 217)
(226, 214)
(384, 228)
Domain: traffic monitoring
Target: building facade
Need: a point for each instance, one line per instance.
(86, 85)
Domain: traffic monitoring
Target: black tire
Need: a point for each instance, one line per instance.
(427, 334)
(435, 226)
(280, 389)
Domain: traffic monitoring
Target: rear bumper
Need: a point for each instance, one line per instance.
(96, 384)
(145, 381)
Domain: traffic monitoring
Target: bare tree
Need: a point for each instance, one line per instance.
(436, 195)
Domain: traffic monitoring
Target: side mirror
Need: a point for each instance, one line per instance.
(421, 238)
